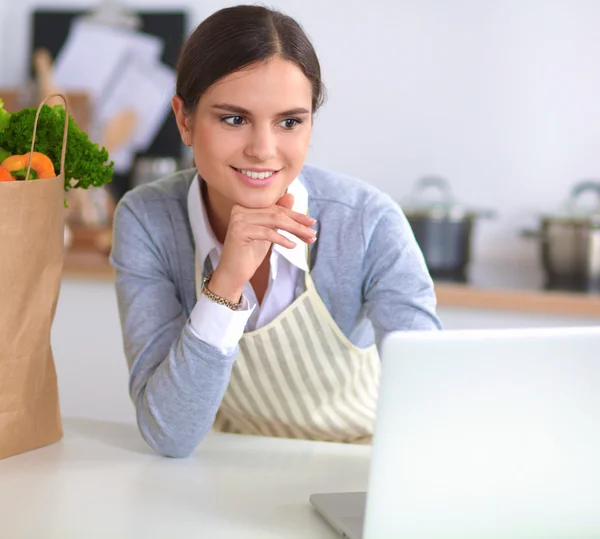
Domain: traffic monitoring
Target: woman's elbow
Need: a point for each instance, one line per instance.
(179, 443)
(167, 444)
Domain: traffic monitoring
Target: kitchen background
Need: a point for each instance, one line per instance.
(501, 98)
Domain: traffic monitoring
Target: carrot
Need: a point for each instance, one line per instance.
(5, 175)
(40, 162)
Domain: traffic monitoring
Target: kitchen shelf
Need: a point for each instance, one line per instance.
(526, 301)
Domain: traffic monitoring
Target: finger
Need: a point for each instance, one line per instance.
(280, 221)
(284, 205)
(286, 201)
(296, 216)
(240, 212)
(262, 233)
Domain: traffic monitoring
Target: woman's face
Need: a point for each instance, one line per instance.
(251, 131)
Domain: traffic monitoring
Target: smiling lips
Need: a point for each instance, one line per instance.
(256, 178)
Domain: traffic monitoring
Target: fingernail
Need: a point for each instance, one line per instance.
(313, 232)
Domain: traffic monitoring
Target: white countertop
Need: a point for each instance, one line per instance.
(102, 481)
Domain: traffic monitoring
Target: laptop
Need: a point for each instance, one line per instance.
(481, 434)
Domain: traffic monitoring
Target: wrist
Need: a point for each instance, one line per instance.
(221, 286)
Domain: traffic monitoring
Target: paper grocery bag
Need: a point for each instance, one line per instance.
(31, 262)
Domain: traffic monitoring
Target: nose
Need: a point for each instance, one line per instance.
(261, 144)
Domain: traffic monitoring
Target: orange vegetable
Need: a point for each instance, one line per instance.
(40, 162)
(5, 175)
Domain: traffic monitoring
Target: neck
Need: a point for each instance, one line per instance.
(218, 210)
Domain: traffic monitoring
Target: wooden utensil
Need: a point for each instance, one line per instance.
(42, 61)
(119, 130)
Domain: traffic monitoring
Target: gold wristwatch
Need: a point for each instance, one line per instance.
(218, 299)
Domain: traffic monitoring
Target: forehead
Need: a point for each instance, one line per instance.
(271, 86)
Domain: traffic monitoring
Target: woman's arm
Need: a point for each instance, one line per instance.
(398, 291)
(177, 381)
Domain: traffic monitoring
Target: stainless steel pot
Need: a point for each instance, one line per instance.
(570, 243)
(442, 227)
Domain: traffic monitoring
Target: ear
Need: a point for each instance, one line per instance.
(182, 119)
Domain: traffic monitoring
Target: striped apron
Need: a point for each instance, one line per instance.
(301, 377)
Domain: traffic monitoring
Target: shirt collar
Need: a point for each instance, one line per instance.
(206, 242)
(204, 238)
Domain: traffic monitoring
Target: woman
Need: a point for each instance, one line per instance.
(254, 291)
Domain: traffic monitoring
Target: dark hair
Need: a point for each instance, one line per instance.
(236, 37)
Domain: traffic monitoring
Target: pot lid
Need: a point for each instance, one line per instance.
(432, 197)
(582, 207)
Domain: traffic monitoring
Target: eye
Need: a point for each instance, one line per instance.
(233, 120)
(290, 123)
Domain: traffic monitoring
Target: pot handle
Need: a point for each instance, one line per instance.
(487, 214)
(441, 184)
(585, 186)
(532, 234)
(445, 191)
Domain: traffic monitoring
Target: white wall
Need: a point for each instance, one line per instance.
(501, 97)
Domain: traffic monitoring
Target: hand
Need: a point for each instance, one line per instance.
(250, 235)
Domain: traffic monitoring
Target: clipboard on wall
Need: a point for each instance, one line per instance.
(50, 29)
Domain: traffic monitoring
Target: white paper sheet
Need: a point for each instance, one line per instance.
(90, 57)
(147, 87)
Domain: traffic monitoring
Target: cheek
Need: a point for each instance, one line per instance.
(211, 143)
(297, 146)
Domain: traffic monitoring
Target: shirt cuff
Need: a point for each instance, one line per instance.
(218, 325)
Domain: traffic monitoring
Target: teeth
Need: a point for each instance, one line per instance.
(256, 175)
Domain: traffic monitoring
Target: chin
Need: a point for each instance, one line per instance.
(259, 198)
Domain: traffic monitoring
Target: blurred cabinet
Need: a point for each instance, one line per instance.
(91, 366)
(88, 352)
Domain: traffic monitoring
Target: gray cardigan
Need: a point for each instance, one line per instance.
(365, 263)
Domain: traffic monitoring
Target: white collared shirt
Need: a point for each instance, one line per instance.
(220, 326)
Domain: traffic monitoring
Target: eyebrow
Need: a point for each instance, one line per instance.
(240, 110)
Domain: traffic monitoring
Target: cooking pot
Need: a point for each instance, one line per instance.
(569, 242)
(442, 227)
